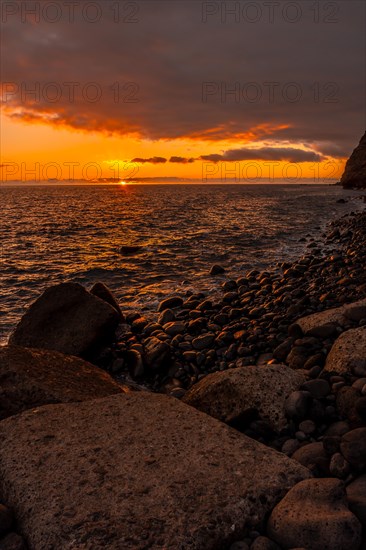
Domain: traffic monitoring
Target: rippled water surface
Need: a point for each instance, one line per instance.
(51, 234)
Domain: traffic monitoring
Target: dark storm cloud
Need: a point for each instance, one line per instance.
(164, 73)
(181, 160)
(265, 153)
(152, 160)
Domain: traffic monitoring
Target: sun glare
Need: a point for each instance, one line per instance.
(123, 183)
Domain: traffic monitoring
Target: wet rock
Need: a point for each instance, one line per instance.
(348, 352)
(168, 303)
(203, 342)
(67, 318)
(235, 394)
(167, 316)
(100, 475)
(156, 353)
(32, 377)
(174, 328)
(314, 515)
(127, 250)
(353, 447)
(104, 293)
(217, 269)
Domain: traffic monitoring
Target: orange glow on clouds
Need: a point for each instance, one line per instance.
(43, 151)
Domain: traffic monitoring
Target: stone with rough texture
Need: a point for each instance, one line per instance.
(229, 395)
(335, 316)
(136, 471)
(33, 377)
(354, 175)
(314, 515)
(356, 495)
(67, 318)
(353, 447)
(348, 352)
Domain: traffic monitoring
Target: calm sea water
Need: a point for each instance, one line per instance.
(51, 234)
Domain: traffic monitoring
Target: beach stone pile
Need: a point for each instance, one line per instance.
(234, 422)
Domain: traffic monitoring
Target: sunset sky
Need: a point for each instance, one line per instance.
(185, 89)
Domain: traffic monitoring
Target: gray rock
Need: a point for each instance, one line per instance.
(348, 352)
(32, 377)
(234, 393)
(67, 318)
(104, 474)
(314, 515)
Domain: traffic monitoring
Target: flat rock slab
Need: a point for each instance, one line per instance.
(32, 377)
(348, 353)
(136, 471)
(69, 319)
(338, 316)
(231, 394)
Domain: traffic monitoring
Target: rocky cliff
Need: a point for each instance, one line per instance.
(354, 175)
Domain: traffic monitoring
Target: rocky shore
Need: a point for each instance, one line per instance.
(230, 423)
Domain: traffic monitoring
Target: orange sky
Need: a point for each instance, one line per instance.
(41, 151)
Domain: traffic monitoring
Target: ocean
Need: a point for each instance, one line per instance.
(57, 233)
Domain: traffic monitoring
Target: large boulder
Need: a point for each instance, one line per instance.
(136, 471)
(314, 515)
(67, 318)
(233, 394)
(356, 495)
(354, 175)
(33, 377)
(323, 323)
(348, 353)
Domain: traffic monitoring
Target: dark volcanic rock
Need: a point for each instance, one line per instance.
(32, 377)
(354, 175)
(67, 318)
(314, 515)
(232, 394)
(102, 291)
(136, 471)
